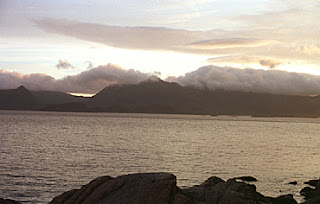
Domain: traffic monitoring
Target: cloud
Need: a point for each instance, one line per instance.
(269, 35)
(63, 64)
(157, 73)
(95, 79)
(251, 80)
(228, 43)
(153, 38)
(310, 49)
(269, 63)
(288, 17)
(149, 38)
(211, 77)
(90, 65)
(10, 80)
(246, 60)
(90, 81)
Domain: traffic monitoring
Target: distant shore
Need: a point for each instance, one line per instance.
(160, 113)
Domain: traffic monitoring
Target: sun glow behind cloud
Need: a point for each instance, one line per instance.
(167, 37)
(81, 94)
(36, 57)
(301, 68)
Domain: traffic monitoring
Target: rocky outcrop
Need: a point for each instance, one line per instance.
(312, 195)
(293, 183)
(312, 182)
(158, 188)
(7, 201)
(134, 188)
(246, 178)
(215, 190)
(162, 188)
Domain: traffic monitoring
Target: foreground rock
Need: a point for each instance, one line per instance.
(162, 188)
(7, 201)
(312, 195)
(246, 178)
(158, 188)
(135, 188)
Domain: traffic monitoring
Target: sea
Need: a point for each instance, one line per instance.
(43, 154)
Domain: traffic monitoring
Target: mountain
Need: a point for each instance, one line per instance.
(148, 96)
(17, 99)
(23, 99)
(157, 96)
(52, 98)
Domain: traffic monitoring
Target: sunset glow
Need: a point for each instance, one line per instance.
(163, 38)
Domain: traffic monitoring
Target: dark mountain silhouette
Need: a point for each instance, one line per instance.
(17, 99)
(23, 99)
(149, 96)
(52, 98)
(157, 96)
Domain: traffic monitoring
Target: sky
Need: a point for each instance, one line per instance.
(82, 46)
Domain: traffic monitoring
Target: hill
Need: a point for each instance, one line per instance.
(157, 96)
(23, 99)
(17, 99)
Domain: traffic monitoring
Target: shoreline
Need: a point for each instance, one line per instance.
(164, 113)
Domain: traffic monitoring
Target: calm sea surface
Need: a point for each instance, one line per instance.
(43, 154)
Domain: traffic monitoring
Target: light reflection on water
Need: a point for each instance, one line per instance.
(44, 154)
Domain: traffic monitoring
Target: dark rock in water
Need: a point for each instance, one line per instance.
(199, 192)
(312, 195)
(235, 192)
(314, 200)
(246, 178)
(79, 195)
(86, 190)
(308, 192)
(212, 181)
(161, 188)
(312, 182)
(181, 199)
(64, 197)
(215, 190)
(293, 183)
(8, 201)
(285, 199)
(318, 185)
(134, 188)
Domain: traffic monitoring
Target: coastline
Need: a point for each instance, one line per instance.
(162, 113)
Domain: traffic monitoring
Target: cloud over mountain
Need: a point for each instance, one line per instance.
(251, 80)
(246, 60)
(90, 81)
(210, 77)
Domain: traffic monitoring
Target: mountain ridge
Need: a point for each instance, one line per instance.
(157, 96)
